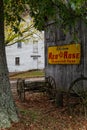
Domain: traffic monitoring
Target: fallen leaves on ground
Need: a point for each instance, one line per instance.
(40, 113)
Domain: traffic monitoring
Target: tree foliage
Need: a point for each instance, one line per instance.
(27, 31)
(65, 12)
(18, 24)
(13, 10)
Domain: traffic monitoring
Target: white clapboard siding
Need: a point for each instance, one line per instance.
(26, 54)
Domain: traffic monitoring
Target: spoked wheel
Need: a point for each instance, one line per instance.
(51, 86)
(78, 87)
(77, 94)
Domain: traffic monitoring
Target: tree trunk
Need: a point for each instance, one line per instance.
(8, 111)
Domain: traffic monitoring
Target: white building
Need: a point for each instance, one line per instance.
(26, 56)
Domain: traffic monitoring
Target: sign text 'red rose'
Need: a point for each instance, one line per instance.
(68, 54)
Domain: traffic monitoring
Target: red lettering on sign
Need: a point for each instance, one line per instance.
(70, 55)
(61, 54)
(78, 55)
(56, 56)
(50, 55)
(65, 54)
(73, 55)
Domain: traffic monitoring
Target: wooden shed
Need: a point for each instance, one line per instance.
(64, 74)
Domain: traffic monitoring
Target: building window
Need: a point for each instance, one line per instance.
(17, 61)
(35, 46)
(19, 45)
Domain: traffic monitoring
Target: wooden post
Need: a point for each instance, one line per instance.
(59, 99)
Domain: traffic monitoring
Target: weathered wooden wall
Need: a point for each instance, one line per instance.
(65, 74)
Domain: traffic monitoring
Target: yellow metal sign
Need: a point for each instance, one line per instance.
(66, 54)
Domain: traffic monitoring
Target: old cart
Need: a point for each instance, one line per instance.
(48, 85)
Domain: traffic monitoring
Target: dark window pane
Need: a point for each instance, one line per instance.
(19, 45)
(17, 61)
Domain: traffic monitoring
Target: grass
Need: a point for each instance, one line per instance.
(28, 74)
